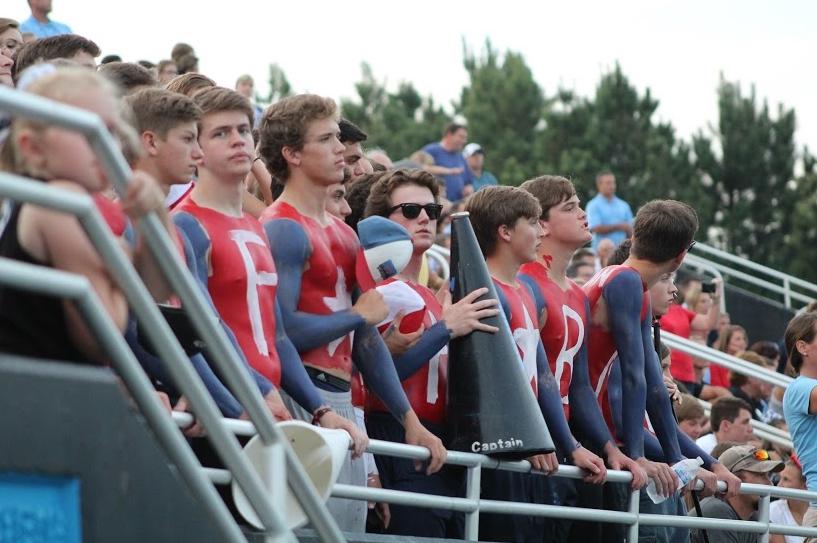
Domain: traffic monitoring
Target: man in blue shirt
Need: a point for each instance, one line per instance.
(39, 24)
(475, 157)
(450, 164)
(608, 216)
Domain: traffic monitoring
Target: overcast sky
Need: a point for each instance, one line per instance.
(677, 49)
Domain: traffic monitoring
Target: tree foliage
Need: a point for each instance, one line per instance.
(739, 175)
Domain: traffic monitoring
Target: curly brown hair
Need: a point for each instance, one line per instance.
(285, 124)
(380, 202)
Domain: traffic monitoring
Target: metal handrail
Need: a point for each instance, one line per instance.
(205, 323)
(29, 277)
(726, 360)
(472, 504)
(786, 281)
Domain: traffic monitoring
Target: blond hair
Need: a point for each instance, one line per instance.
(62, 85)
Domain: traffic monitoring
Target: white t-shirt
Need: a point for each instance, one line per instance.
(779, 513)
(707, 443)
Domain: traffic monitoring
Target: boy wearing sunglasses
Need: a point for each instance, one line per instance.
(314, 255)
(426, 322)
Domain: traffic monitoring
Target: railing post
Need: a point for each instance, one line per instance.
(472, 492)
(763, 516)
(632, 531)
(787, 292)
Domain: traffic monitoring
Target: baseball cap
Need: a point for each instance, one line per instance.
(471, 149)
(749, 458)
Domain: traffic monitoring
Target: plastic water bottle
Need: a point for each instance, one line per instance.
(686, 470)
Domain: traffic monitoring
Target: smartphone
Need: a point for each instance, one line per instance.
(708, 288)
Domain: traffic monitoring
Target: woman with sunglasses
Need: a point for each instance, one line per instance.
(417, 331)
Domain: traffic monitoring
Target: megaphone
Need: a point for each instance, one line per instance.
(321, 451)
(490, 407)
(385, 250)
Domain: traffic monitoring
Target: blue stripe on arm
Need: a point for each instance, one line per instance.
(623, 295)
(294, 379)
(290, 250)
(429, 344)
(659, 406)
(372, 358)
(550, 402)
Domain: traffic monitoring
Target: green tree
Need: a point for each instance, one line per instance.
(750, 158)
(279, 86)
(503, 105)
(399, 122)
(615, 130)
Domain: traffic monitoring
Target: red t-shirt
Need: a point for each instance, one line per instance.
(678, 321)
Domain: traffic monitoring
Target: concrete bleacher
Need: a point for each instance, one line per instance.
(72, 433)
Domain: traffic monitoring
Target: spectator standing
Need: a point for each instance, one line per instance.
(475, 156)
(609, 216)
(245, 85)
(39, 24)
(449, 162)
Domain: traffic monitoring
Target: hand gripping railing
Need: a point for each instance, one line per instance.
(165, 253)
(472, 505)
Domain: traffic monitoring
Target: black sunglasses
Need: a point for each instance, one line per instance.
(412, 211)
(691, 245)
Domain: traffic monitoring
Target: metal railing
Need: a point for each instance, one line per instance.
(776, 282)
(206, 323)
(472, 505)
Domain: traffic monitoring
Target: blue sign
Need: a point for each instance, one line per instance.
(39, 509)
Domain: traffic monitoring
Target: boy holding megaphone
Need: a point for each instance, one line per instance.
(506, 224)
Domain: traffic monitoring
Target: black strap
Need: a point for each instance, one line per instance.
(656, 337)
(698, 511)
(327, 381)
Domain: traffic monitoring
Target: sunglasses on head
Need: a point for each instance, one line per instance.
(412, 211)
(761, 455)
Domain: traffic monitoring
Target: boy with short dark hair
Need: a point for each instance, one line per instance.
(621, 330)
(506, 224)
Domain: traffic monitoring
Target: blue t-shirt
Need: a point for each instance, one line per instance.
(601, 211)
(451, 159)
(802, 426)
(487, 179)
(44, 30)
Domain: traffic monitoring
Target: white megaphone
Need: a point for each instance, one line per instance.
(321, 451)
